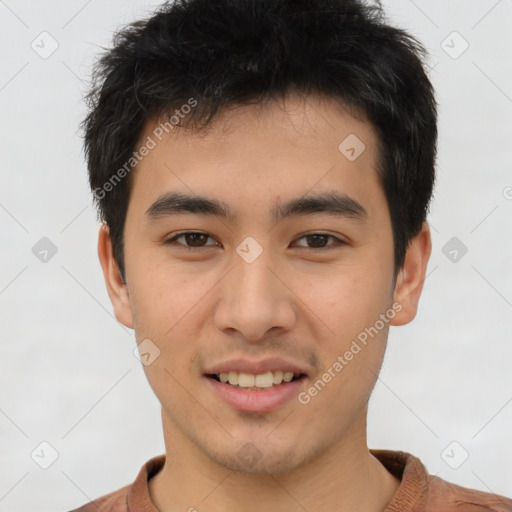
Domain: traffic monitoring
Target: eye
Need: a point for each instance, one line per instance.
(193, 239)
(196, 240)
(319, 241)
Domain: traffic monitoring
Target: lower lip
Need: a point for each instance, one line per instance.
(266, 400)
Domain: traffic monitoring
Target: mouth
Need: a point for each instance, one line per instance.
(256, 382)
(256, 392)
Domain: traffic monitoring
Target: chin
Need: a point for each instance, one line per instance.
(261, 458)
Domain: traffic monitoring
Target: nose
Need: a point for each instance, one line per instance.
(254, 299)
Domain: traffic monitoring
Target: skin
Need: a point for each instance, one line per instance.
(296, 301)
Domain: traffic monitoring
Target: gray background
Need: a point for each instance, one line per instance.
(68, 373)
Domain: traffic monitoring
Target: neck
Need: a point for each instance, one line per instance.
(345, 478)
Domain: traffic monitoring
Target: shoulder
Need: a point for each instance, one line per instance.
(133, 497)
(420, 491)
(113, 502)
(444, 495)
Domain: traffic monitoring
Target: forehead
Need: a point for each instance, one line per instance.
(279, 150)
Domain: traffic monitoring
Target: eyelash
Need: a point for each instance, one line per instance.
(337, 242)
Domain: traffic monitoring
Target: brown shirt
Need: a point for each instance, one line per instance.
(418, 491)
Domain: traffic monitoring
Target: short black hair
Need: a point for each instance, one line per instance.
(225, 53)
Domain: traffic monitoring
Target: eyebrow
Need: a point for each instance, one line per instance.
(333, 203)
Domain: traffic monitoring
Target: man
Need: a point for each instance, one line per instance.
(263, 170)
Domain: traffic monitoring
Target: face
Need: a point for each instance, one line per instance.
(256, 251)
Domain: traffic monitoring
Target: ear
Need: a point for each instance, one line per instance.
(410, 278)
(116, 287)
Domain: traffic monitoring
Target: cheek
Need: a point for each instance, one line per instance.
(162, 297)
(347, 300)
(170, 309)
(165, 308)
(351, 357)
(351, 351)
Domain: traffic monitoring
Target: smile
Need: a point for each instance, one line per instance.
(261, 381)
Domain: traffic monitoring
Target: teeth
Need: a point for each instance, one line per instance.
(246, 380)
(288, 376)
(262, 380)
(278, 377)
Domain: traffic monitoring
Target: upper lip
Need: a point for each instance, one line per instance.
(255, 367)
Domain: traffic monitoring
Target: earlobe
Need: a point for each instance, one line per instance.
(116, 288)
(410, 279)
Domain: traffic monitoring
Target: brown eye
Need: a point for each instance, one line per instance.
(195, 239)
(317, 241)
(320, 241)
(192, 240)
